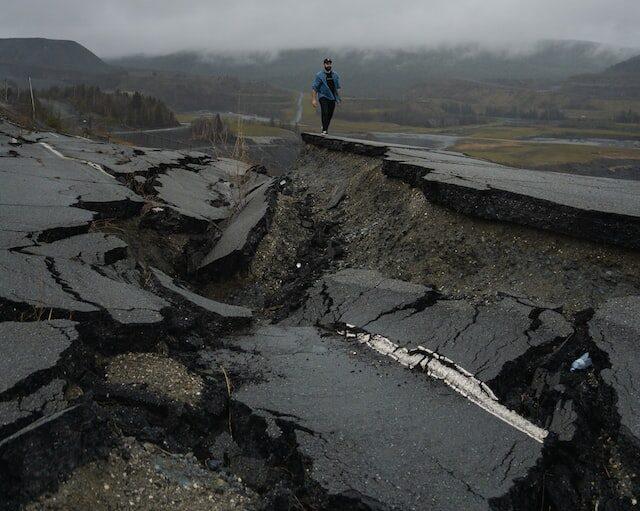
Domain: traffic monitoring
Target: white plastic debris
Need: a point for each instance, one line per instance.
(283, 182)
(581, 363)
(13, 141)
(298, 265)
(157, 210)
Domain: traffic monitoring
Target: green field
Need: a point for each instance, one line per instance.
(505, 132)
(249, 128)
(536, 155)
(254, 129)
(311, 121)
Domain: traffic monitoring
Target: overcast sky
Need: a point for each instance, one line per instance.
(118, 27)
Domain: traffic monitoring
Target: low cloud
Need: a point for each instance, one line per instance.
(118, 27)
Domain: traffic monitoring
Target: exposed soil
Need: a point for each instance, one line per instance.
(383, 224)
(144, 476)
(155, 373)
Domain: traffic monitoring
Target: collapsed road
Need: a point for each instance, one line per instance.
(181, 331)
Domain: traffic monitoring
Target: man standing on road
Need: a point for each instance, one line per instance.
(325, 89)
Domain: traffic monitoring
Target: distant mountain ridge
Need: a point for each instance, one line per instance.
(619, 81)
(48, 61)
(630, 66)
(388, 73)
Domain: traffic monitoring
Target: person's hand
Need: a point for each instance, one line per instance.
(314, 103)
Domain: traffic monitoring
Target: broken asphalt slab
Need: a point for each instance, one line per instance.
(599, 209)
(208, 192)
(28, 407)
(228, 313)
(479, 338)
(615, 328)
(196, 186)
(43, 192)
(55, 186)
(91, 248)
(116, 159)
(69, 285)
(371, 426)
(242, 233)
(31, 347)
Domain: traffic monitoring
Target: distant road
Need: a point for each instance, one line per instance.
(155, 130)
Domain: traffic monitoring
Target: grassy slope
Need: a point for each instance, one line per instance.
(254, 129)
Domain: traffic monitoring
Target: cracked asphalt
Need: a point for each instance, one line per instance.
(368, 347)
(372, 426)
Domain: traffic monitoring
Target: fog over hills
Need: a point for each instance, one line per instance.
(631, 65)
(367, 73)
(390, 72)
(160, 27)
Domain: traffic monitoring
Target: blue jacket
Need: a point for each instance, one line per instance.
(321, 86)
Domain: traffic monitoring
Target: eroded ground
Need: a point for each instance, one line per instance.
(185, 332)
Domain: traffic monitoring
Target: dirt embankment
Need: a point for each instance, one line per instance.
(383, 224)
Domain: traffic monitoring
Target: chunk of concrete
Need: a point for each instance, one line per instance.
(242, 234)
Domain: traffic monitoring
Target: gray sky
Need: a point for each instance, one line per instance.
(117, 27)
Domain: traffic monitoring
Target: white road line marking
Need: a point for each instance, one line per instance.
(454, 376)
(90, 163)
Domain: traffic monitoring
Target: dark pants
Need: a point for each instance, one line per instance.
(327, 106)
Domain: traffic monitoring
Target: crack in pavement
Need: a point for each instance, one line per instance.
(454, 376)
(89, 163)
